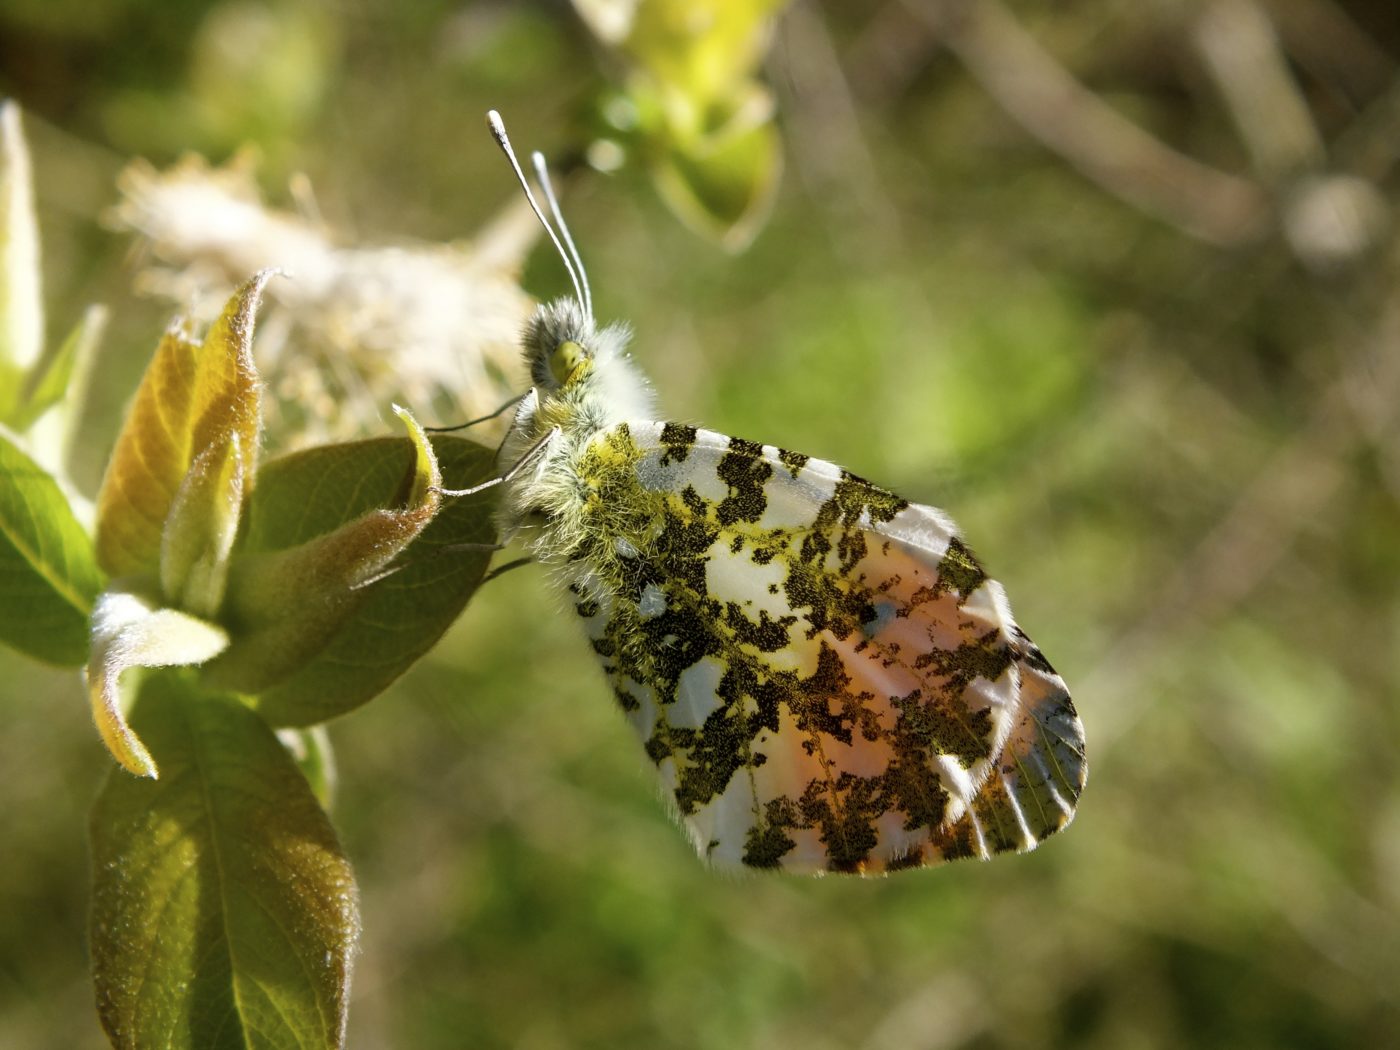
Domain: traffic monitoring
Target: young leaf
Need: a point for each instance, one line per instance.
(47, 382)
(128, 631)
(21, 304)
(149, 461)
(192, 398)
(48, 575)
(227, 394)
(700, 50)
(224, 911)
(696, 112)
(285, 605)
(722, 183)
(397, 618)
(201, 526)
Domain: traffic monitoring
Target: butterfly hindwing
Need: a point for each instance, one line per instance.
(822, 673)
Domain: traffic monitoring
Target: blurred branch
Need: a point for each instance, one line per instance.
(1242, 53)
(1328, 219)
(1036, 91)
(1371, 146)
(1326, 42)
(889, 53)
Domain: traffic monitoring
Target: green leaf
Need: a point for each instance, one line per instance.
(700, 49)
(21, 304)
(693, 109)
(224, 912)
(285, 605)
(47, 383)
(398, 618)
(48, 575)
(722, 184)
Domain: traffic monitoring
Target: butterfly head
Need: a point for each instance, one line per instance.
(581, 370)
(560, 345)
(560, 338)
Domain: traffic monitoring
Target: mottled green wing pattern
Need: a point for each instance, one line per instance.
(821, 671)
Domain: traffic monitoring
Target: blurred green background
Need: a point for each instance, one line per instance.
(1160, 394)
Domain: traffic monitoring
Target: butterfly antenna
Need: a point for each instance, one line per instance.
(542, 174)
(498, 132)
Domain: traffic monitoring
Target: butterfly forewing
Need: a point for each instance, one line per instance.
(822, 673)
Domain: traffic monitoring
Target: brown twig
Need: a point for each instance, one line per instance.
(1066, 117)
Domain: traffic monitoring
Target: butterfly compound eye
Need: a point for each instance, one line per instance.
(567, 362)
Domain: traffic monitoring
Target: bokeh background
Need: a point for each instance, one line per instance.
(1115, 283)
